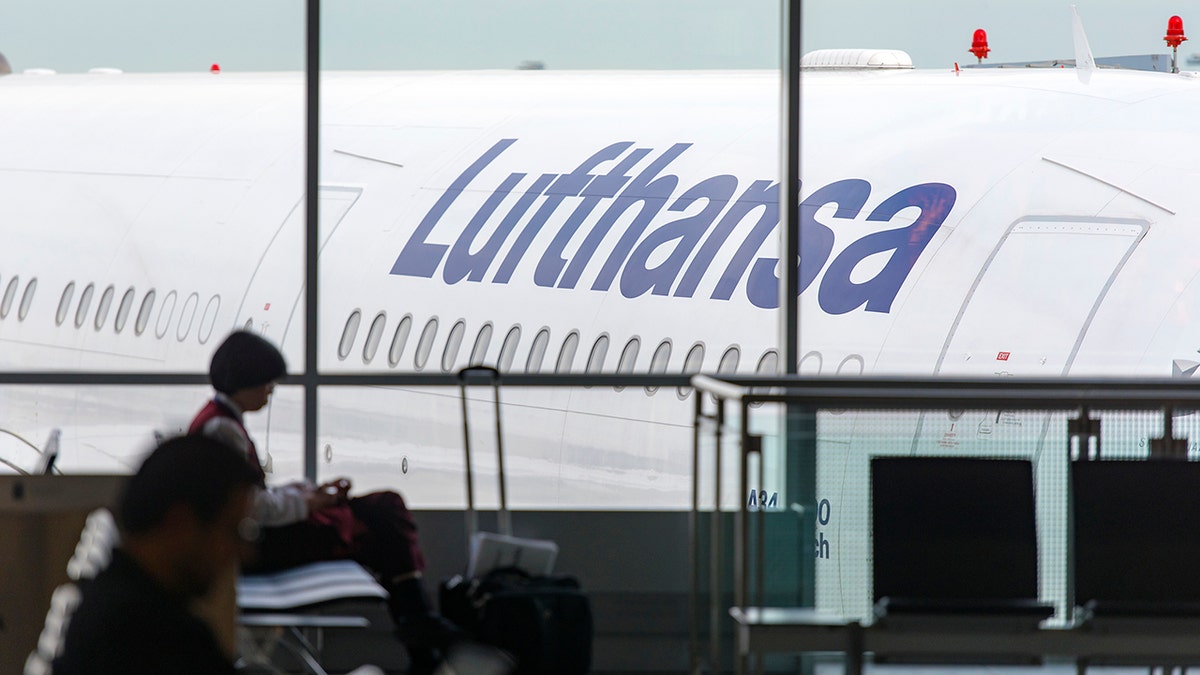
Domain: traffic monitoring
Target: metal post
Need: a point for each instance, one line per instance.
(693, 541)
(312, 79)
(789, 210)
(741, 547)
(714, 550)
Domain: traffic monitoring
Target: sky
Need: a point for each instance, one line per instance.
(158, 35)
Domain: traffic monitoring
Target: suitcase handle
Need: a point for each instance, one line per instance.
(492, 377)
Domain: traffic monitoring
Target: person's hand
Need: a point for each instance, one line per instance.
(321, 498)
(339, 487)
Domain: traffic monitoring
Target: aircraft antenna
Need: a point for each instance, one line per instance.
(1174, 38)
(1084, 63)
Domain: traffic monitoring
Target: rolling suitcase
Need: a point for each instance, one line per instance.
(508, 599)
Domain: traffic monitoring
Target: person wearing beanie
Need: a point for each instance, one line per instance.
(303, 523)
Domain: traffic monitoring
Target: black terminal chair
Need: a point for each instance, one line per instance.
(1137, 540)
(954, 541)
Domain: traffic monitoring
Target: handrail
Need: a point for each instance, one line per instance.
(719, 388)
(959, 394)
(895, 392)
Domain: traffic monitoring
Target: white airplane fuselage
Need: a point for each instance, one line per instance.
(973, 224)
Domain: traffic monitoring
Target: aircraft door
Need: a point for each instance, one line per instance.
(270, 307)
(273, 296)
(1030, 306)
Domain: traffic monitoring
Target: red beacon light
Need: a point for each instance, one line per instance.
(1175, 36)
(215, 68)
(979, 45)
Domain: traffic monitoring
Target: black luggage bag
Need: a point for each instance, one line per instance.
(543, 621)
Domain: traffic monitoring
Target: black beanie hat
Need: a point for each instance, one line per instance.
(245, 360)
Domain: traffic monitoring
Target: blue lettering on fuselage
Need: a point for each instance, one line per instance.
(655, 250)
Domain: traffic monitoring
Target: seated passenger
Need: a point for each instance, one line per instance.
(180, 517)
(303, 523)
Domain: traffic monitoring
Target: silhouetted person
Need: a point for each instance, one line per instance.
(303, 523)
(181, 519)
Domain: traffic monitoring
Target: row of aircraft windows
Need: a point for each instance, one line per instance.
(141, 320)
(535, 357)
(10, 296)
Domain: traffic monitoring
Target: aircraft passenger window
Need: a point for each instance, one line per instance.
(658, 362)
(123, 310)
(628, 359)
(143, 317)
(166, 312)
(85, 302)
(187, 316)
(768, 364)
(453, 344)
(399, 339)
(209, 319)
(27, 299)
(105, 303)
(853, 364)
(728, 364)
(629, 355)
(349, 332)
(811, 363)
(374, 336)
(537, 351)
(9, 294)
(566, 354)
(595, 361)
(64, 304)
(425, 344)
(508, 349)
(482, 340)
(729, 361)
(691, 365)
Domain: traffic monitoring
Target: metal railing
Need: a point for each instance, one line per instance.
(722, 425)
